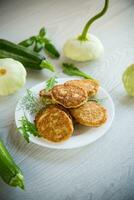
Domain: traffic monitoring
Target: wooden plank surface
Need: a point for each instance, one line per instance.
(105, 169)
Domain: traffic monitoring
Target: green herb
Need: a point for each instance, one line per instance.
(9, 171)
(50, 49)
(71, 70)
(27, 128)
(30, 102)
(95, 99)
(28, 42)
(42, 32)
(39, 42)
(38, 46)
(50, 83)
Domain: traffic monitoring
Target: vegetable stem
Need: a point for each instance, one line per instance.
(83, 35)
(47, 65)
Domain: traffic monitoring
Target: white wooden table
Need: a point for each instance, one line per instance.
(105, 169)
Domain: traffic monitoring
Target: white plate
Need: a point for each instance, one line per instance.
(82, 135)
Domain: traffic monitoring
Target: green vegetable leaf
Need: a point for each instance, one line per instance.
(50, 83)
(38, 46)
(71, 70)
(27, 128)
(27, 42)
(39, 42)
(42, 32)
(51, 49)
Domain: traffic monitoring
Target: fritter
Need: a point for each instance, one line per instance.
(54, 124)
(90, 114)
(43, 93)
(91, 86)
(70, 96)
(46, 97)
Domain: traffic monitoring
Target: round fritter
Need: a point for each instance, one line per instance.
(54, 124)
(91, 86)
(90, 114)
(70, 96)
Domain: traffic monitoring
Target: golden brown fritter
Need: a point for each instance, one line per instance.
(70, 96)
(43, 93)
(90, 114)
(91, 86)
(46, 97)
(54, 124)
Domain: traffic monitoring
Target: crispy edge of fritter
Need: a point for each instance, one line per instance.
(43, 93)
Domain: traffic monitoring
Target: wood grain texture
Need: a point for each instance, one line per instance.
(105, 169)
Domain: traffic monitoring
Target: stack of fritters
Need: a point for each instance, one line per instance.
(70, 101)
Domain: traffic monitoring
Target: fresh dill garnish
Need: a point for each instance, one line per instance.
(50, 83)
(27, 128)
(31, 103)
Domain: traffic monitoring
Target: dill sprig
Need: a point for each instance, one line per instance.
(27, 128)
(31, 103)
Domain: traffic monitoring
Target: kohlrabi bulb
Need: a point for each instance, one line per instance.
(84, 50)
(12, 76)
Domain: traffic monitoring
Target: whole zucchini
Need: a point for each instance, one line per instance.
(28, 58)
(9, 171)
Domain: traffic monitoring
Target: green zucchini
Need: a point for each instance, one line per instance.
(28, 58)
(9, 171)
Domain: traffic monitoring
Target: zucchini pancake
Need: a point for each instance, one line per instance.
(54, 124)
(90, 114)
(69, 103)
(69, 96)
(91, 86)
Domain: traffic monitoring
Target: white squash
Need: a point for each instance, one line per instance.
(79, 50)
(85, 46)
(12, 76)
